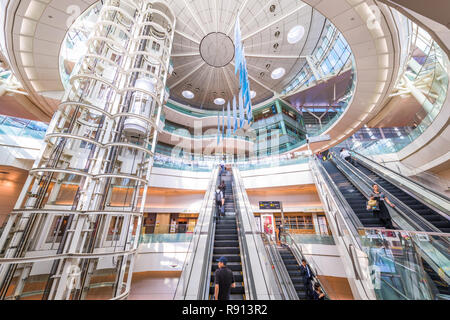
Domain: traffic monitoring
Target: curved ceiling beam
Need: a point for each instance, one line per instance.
(196, 19)
(274, 22)
(187, 75)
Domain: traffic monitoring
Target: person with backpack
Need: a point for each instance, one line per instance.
(220, 201)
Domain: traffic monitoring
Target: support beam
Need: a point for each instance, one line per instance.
(187, 75)
(196, 19)
(187, 36)
(274, 22)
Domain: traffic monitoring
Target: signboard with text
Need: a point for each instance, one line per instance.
(269, 205)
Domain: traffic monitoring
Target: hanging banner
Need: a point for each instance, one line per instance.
(228, 120)
(235, 121)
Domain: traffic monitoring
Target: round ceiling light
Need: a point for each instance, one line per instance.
(219, 101)
(252, 94)
(295, 34)
(278, 73)
(188, 94)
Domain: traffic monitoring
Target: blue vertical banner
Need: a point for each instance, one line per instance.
(235, 120)
(223, 122)
(238, 46)
(228, 120)
(240, 64)
(241, 110)
(218, 128)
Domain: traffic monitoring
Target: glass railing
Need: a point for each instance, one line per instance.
(396, 262)
(162, 161)
(295, 244)
(312, 238)
(165, 238)
(16, 127)
(270, 162)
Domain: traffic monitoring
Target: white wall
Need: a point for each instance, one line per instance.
(327, 259)
(178, 179)
(298, 174)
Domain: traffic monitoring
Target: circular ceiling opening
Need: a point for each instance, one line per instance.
(278, 73)
(217, 49)
(219, 101)
(252, 94)
(187, 94)
(295, 34)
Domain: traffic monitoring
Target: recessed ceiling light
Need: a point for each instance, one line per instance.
(278, 73)
(252, 94)
(188, 94)
(219, 101)
(295, 34)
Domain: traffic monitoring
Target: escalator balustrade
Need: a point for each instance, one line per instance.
(226, 243)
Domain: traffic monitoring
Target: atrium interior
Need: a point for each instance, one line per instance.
(148, 145)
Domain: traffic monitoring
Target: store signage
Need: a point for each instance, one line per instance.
(270, 205)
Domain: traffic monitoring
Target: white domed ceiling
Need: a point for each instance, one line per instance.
(203, 48)
(276, 36)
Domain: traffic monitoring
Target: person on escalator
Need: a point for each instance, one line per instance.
(223, 280)
(380, 209)
(219, 202)
(345, 154)
(308, 276)
(318, 293)
(222, 187)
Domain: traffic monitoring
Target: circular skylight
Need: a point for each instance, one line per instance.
(219, 101)
(295, 34)
(252, 94)
(188, 94)
(278, 73)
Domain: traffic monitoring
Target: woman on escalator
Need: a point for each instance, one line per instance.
(381, 210)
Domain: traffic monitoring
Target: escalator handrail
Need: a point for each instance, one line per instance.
(412, 217)
(298, 255)
(342, 203)
(240, 189)
(419, 197)
(282, 277)
(249, 283)
(189, 260)
(438, 194)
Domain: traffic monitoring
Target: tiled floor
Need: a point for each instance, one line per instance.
(148, 286)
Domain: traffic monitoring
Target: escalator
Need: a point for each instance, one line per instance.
(353, 196)
(293, 269)
(424, 211)
(226, 243)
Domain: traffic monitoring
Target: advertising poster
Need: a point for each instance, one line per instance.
(268, 224)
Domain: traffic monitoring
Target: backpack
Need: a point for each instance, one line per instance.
(218, 196)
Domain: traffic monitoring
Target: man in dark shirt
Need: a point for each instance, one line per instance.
(223, 281)
(308, 276)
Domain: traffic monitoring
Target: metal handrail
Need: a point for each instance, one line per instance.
(389, 178)
(282, 277)
(188, 263)
(410, 216)
(297, 251)
(249, 283)
(438, 194)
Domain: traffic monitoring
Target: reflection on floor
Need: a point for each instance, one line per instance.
(154, 285)
(337, 288)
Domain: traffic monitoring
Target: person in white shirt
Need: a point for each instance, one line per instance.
(345, 154)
